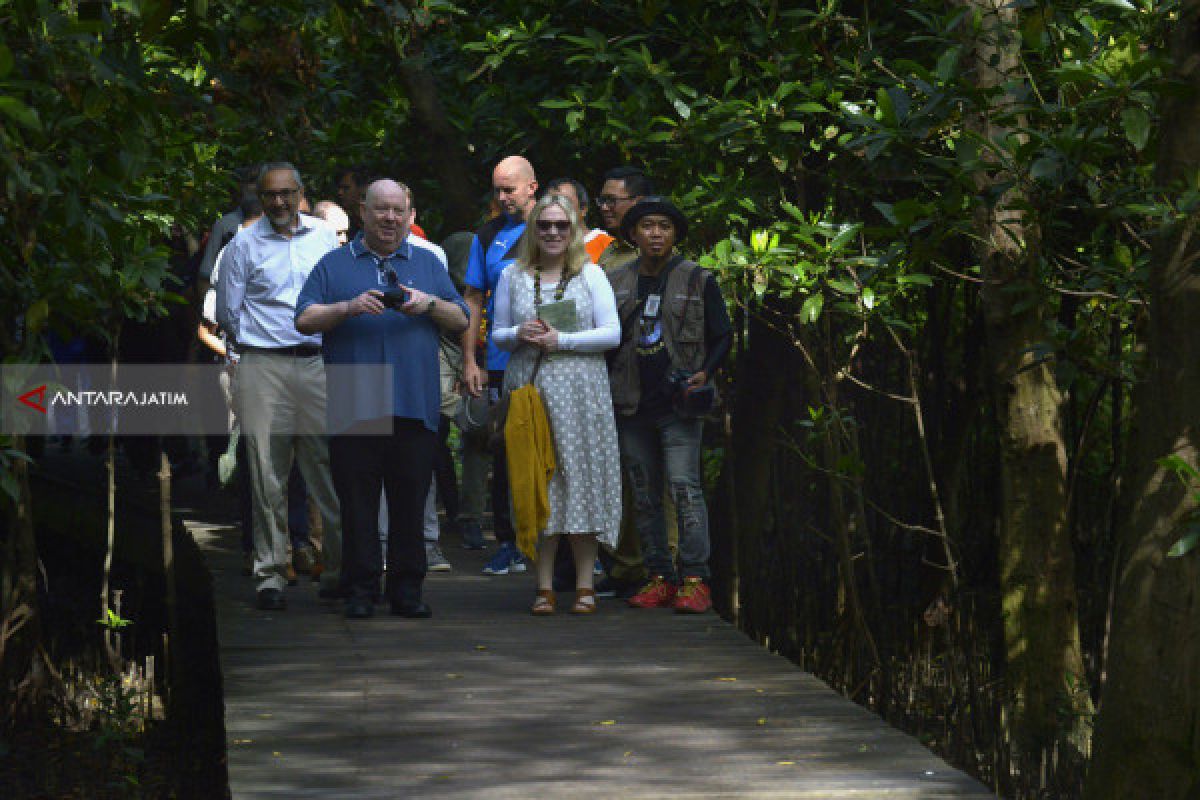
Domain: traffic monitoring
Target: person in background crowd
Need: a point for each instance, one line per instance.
(475, 456)
(675, 335)
(229, 224)
(552, 271)
(623, 186)
(350, 184)
(335, 218)
(596, 240)
(343, 299)
(215, 340)
(280, 394)
(514, 187)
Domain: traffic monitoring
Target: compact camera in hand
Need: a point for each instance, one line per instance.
(394, 298)
(691, 401)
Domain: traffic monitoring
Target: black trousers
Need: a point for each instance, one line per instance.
(502, 525)
(400, 464)
(443, 472)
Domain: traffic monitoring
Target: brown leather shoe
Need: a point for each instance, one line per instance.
(543, 603)
(585, 602)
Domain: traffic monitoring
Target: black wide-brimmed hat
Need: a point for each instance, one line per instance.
(653, 204)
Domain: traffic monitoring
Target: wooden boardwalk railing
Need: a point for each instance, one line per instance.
(486, 701)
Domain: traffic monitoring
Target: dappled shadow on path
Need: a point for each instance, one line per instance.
(487, 701)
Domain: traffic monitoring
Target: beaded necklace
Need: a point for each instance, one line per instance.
(537, 285)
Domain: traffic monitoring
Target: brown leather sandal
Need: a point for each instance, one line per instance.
(585, 602)
(543, 604)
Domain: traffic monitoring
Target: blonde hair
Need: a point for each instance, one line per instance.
(529, 253)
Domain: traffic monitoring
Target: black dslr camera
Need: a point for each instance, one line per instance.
(394, 297)
(689, 401)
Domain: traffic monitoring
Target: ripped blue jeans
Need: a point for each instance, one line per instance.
(654, 451)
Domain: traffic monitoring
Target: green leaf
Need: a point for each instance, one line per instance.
(845, 236)
(900, 103)
(6, 61)
(887, 112)
(811, 310)
(20, 113)
(1179, 466)
(791, 126)
(1187, 542)
(1137, 127)
(1122, 4)
(947, 64)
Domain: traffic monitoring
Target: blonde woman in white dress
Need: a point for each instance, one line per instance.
(551, 273)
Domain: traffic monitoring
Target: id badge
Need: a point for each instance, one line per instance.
(653, 302)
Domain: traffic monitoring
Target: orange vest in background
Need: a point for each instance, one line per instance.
(595, 242)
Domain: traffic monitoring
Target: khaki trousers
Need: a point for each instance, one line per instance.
(281, 405)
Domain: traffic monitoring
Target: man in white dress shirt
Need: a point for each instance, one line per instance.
(280, 384)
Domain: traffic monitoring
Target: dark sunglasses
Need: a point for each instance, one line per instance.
(547, 225)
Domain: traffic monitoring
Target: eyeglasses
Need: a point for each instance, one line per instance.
(609, 200)
(547, 225)
(280, 194)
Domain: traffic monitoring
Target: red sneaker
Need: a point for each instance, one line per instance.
(693, 597)
(655, 594)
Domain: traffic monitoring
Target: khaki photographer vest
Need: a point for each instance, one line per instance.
(683, 327)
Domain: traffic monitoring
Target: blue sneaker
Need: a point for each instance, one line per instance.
(506, 560)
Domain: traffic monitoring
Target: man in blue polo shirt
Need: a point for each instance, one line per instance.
(383, 434)
(515, 186)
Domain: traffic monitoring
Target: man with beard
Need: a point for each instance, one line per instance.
(280, 379)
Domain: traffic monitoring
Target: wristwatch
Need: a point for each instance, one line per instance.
(432, 303)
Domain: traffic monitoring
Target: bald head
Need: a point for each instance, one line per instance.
(516, 166)
(385, 186)
(387, 215)
(515, 186)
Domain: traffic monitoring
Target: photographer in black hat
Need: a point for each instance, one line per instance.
(675, 332)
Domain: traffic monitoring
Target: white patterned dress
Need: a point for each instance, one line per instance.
(585, 490)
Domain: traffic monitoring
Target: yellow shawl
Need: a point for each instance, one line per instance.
(530, 450)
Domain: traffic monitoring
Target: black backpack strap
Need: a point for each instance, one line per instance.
(488, 233)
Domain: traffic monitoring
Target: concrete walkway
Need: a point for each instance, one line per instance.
(485, 701)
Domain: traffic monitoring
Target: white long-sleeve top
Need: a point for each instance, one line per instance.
(261, 276)
(603, 334)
